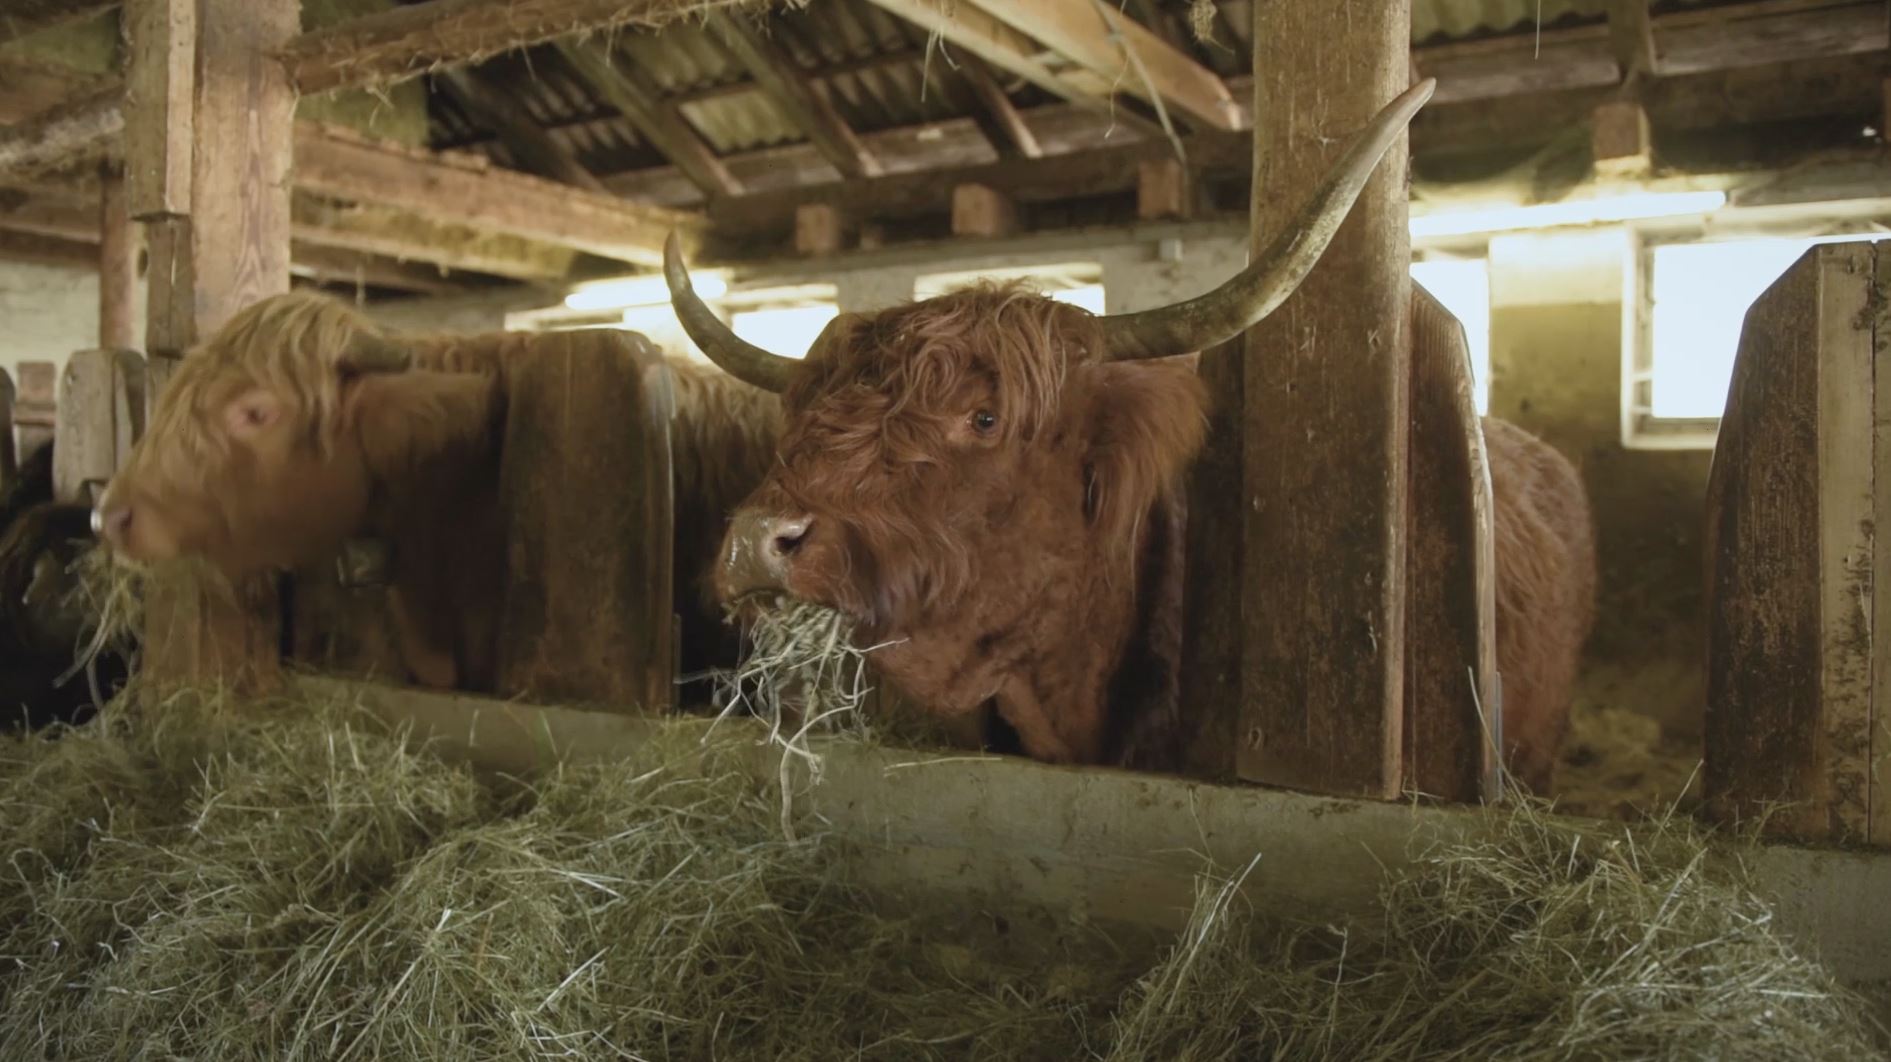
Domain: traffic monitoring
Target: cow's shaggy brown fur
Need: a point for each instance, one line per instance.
(410, 456)
(1037, 566)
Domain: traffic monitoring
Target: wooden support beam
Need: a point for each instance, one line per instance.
(639, 99)
(534, 148)
(818, 229)
(1632, 40)
(405, 237)
(230, 249)
(158, 104)
(980, 210)
(91, 430)
(1324, 589)
(120, 249)
(352, 267)
(1621, 140)
(1163, 189)
(1113, 46)
(23, 18)
(1798, 730)
(342, 166)
(410, 40)
(1007, 130)
(789, 88)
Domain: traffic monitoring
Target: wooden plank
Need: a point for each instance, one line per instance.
(352, 267)
(128, 404)
(1164, 189)
(1009, 133)
(321, 224)
(638, 98)
(1789, 703)
(586, 484)
(410, 40)
(1452, 724)
(158, 105)
(1101, 39)
(819, 229)
(442, 189)
(980, 210)
(118, 275)
(528, 141)
(1621, 141)
(788, 87)
(1326, 435)
(46, 250)
(87, 453)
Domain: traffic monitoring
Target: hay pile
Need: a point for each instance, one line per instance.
(190, 881)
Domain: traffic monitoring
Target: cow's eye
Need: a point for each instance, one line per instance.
(984, 421)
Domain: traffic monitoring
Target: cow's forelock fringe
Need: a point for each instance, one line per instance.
(876, 407)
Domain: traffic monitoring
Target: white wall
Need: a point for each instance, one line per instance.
(46, 313)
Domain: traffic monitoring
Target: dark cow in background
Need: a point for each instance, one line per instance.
(300, 425)
(43, 620)
(990, 481)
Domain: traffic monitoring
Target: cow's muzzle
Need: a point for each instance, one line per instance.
(760, 551)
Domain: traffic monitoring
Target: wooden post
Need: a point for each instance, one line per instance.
(35, 406)
(118, 253)
(1620, 140)
(1162, 189)
(585, 485)
(818, 229)
(980, 210)
(87, 452)
(218, 230)
(1451, 573)
(1326, 429)
(1799, 669)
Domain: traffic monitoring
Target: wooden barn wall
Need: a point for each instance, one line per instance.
(1558, 325)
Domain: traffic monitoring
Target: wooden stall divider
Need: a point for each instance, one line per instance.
(585, 484)
(1453, 722)
(35, 405)
(1799, 664)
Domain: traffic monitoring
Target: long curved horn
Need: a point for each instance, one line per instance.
(1258, 290)
(737, 356)
(369, 352)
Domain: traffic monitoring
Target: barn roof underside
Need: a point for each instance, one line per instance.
(854, 102)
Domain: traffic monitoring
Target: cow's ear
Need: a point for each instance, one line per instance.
(407, 420)
(1147, 421)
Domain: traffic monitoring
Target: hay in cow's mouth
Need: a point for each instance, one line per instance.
(217, 879)
(109, 593)
(801, 673)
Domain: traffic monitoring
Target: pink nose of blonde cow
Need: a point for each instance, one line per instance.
(761, 546)
(113, 522)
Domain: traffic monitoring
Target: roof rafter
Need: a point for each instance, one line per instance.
(631, 91)
(529, 142)
(783, 81)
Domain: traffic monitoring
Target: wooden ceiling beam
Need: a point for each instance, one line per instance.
(46, 250)
(1632, 39)
(334, 266)
(1007, 130)
(627, 88)
(1109, 44)
(790, 89)
(536, 150)
(467, 191)
(410, 40)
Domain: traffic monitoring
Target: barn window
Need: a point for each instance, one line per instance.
(1077, 283)
(784, 320)
(1694, 297)
(1463, 286)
